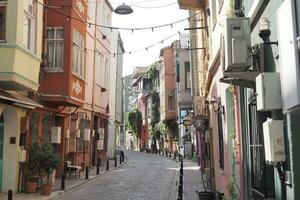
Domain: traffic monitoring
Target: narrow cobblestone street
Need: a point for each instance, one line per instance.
(145, 176)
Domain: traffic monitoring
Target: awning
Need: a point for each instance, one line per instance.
(17, 99)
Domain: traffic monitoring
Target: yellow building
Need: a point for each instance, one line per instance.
(21, 30)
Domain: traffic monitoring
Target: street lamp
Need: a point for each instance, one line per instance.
(123, 9)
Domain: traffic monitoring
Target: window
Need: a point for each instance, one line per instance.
(171, 100)
(98, 68)
(187, 75)
(55, 48)
(2, 20)
(221, 141)
(214, 13)
(220, 4)
(29, 27)
(78, 54)
(106, 72)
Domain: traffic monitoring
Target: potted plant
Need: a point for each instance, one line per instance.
(33, 168)
(48, 163)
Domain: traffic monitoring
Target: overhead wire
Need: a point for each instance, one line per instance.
(114, 27)
(132, 51)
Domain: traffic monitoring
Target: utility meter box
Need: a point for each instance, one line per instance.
(56, 134)
(22, 156)
(87, 134)
(237, 44)
(101, 133)
(268, 91)
(274, 141)
(68, 134)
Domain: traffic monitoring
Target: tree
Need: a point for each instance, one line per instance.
(134, 122)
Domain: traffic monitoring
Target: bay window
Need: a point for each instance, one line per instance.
(78, 54)
(29, 27)
(2, 20)
(55, 49)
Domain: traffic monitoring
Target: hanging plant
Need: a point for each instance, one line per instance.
(134, 122)
(152, 71)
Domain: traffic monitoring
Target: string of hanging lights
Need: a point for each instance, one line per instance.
(132, 29)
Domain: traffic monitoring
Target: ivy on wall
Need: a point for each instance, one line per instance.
(134, 122)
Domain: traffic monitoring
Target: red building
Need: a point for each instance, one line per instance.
(75, 100)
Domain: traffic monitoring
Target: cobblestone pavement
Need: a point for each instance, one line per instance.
(144, 177)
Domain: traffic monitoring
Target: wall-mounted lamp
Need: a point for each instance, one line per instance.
(217, 106)
(264, 31)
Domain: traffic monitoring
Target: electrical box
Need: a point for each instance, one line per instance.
(22, 156)
(268, 91)
(56, 134)
(207, 136)
(274, 141)
(100, 145)
(68, 134)
(288, 56)
(237, 44)
(78, 133)
(87, 133)
(101, 133)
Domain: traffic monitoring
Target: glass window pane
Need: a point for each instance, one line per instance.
(2, 22)
(59, 33)
(59, 54)
(50, 33)
(50, 49)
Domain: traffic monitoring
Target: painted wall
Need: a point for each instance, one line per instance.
(12, 116)
(17, 63)
(167, 82)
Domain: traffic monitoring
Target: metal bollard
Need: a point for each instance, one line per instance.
(107, 165)
(10, 195)
(116, 162)
(86, 172)
(63, 182)
(181, 165)
(98, 168)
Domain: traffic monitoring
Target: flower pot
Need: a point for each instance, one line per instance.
(46, 189)
(206, 195)
(31, 186)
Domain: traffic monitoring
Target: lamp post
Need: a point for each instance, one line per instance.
(123, 9)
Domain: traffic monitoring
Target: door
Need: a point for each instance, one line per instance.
(262, 175)
(1, 149)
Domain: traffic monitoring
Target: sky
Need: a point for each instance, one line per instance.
(147, 17)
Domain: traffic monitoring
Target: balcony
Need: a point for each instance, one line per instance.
(192, 4)
(19, 68)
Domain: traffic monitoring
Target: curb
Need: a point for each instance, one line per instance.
(87, 182)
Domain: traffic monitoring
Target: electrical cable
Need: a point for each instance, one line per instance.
(113, 27)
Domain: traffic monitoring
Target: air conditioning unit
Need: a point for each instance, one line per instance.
(56, 134)
(237, 44)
